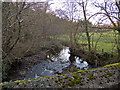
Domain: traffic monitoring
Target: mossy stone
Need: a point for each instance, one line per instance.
(70, 79)
(63, 86)
(75, 76)
(105, 70)
(72, 83)
(56, 81)
(82, 73)
(81, 84)
(36, 85)
(105, 75)
(78, 81)
(59, 79)
(108, 73)
(118, 65)
(91, 76)
(65, 77)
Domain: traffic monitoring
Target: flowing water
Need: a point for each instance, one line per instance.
(54, 64)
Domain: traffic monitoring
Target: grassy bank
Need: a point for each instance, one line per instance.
(105, 41)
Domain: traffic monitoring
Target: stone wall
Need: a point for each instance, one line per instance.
(102, 77)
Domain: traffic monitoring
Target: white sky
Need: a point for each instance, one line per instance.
(90, 9)
(58, 4)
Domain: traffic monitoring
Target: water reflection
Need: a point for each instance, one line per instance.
(56, 63)
(65, 57)
(62, 56)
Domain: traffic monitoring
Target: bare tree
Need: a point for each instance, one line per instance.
(110, 11)
(84, 5)
(12, 24)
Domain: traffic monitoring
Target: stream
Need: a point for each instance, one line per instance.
(54, 65)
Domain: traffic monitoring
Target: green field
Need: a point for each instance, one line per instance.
(105, 42)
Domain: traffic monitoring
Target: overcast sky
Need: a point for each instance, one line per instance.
(59, 4)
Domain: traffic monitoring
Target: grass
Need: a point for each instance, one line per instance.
(106, 42)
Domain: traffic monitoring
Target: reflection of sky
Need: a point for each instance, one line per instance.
(64, 55)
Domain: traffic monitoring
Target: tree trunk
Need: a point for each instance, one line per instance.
(86, 27)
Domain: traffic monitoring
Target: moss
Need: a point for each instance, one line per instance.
(81, 84)
(70, 79)
(106, 66)
(72, 83)
(20, 81)
(59, 79)
(38, 79)
(48, 77)
(33, 79)
(56, 81)
(105, 75)
(75, 76)
(115, 67)
(86, 71)
(82, 73)
(108, 79)
(65, 77)
(118, 65)
(112, 68)
(78, 81)
(25, 85)
(105, 70)
(36, 85)
(91, 76)
(108, 73)
(63, 86)
(80, 77)
(58, 76)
